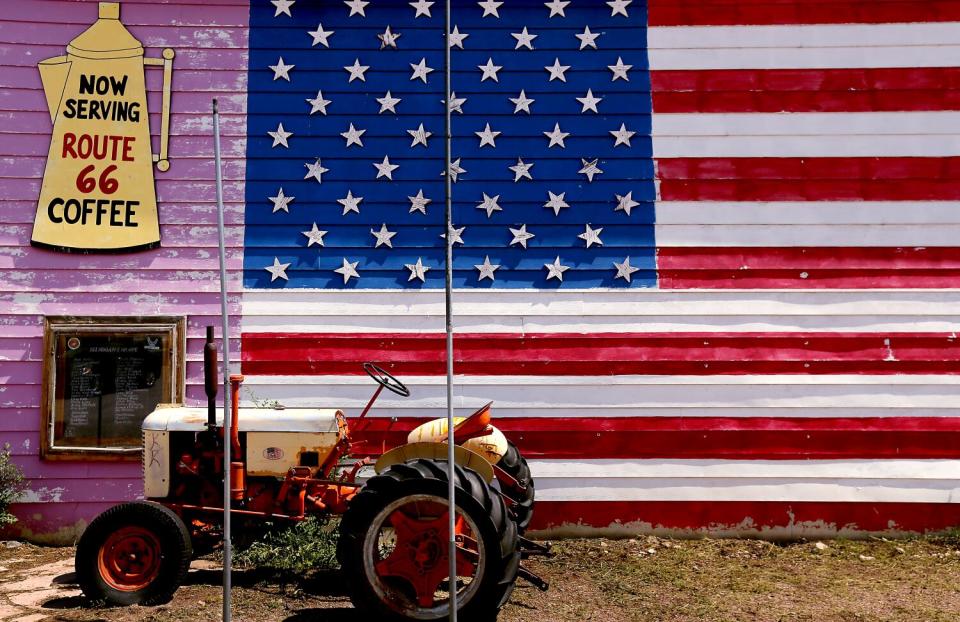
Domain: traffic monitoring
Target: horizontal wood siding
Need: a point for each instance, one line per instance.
(180, 278)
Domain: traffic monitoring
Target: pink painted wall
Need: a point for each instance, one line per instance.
(180, 278)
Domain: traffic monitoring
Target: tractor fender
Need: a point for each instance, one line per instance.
(436, 451)
(491, 446)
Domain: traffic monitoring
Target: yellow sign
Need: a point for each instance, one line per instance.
(98, 189)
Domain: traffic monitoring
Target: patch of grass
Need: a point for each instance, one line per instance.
(307, 546)
(11, 485)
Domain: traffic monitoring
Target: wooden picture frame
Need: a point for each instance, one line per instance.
(101, 376)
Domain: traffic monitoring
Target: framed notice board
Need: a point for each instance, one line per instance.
(102, 376)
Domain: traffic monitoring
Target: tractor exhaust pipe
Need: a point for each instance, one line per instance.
(210, 377)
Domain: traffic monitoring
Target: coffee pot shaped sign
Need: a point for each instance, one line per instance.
(98, 192)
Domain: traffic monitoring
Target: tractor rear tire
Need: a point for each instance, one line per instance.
(514, 464)
(408, 502)
(134, 553)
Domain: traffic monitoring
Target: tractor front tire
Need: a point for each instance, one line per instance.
(394, 541)
(134, 553)
(515, 465)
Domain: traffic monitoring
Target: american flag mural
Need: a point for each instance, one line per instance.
(706, 258)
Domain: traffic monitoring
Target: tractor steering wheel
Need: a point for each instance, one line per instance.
(384, 379)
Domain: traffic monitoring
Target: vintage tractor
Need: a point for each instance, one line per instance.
(292, 463)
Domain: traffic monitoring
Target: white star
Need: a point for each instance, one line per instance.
(419, 203)
(524, 39)
(455, 170)
(419, 136)
(591, 236)
(490, 8)
(556, 7)
(280, 137)
(420, 70)
(622, 136)
(619, 6)
(353, 136)
(417, 270)
(520, 236)
(283, 6)
(385, 169)
(422, 7)
(557, 70)
(556, 202)
(490, 204)
(457, 38)
(555, 270)
(350, 203)
(620, 70)
(356, 7)
(625, 270)
(588, 38)
(281, 70)
(316, 171)
(281, 202)
(457, 236)
(348, 270)
(625, 203)
(590, 168)
(489, 70)
(356, 71)
(521, 170)
(383, 236)
(456, 103)
(388, 103)
(320, 36)
(314, 236)
(487, 269)
(521, 103)
(488, 137)
(318, 104)
(589, 102)
(388, 39)
(556, 136)
(277, 270)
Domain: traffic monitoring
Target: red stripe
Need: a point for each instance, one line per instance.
(770, 12)
(808, 179)
(706, 438)
(808, 268)
(806, 90)
(769, 519)
(604, 353)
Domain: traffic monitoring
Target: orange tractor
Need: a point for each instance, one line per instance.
(290, 464)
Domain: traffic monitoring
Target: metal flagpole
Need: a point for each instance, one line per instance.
(226, 370)
(448, 295)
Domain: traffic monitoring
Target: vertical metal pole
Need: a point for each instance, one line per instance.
(227, 553)
(452, 551)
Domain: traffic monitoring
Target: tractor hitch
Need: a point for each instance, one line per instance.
(533, 579)
(529, 548)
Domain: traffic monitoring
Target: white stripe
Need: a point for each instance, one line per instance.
(905, 481)
(845, 46)
(819, 134)
(898, 213)
(808, 235)
(517, 311)
(613, 396)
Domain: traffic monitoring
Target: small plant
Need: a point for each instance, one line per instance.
(309, 545)
(11, 485)
(260, 402)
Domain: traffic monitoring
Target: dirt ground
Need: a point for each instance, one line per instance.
(645, 579)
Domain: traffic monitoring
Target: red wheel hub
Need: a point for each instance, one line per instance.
(420, 555)
(129, 559)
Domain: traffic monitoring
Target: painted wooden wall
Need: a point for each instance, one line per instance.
(180, 278)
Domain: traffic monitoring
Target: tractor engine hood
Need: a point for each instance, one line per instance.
(187, 419)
